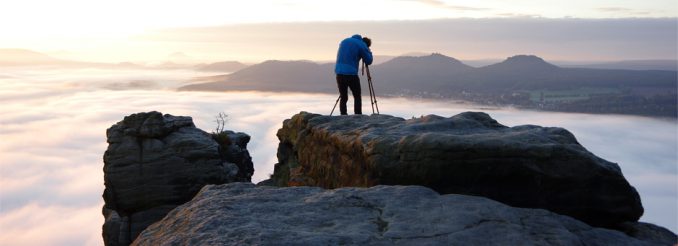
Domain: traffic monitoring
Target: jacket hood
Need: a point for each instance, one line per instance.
(357, 36)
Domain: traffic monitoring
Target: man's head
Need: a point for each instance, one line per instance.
(367, 41)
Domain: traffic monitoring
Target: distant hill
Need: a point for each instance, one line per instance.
(521, 64)
(412, 72)
(303, 76)
(21, 57)
(379, 59)
(225, 66)
(524, 72)
(515, 72)
(24, 57)
(430, 63)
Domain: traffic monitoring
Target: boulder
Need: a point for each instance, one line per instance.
(470, 153)
(155, 162)
(649, 233)
(243, 214)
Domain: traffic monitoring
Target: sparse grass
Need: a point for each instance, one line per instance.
(221, 120)
(221, 138)
(219, 134)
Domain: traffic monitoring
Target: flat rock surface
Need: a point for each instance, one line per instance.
(469, 153)
(243, 214)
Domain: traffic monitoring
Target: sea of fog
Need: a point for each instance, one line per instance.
(53, 124)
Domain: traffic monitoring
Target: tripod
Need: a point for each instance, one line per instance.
(373, 96)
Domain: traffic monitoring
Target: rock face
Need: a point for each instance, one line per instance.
(156, 162)
(242, 214)
(470, 153)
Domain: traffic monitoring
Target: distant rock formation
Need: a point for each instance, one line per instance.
(242, 214)
(470, 153)
(156, 162)
(521, 64)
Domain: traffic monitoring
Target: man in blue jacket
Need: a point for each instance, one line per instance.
(351, 50)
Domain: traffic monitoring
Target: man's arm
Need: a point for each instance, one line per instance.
(366, 54)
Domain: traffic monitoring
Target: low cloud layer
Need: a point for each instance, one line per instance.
(624, 11)
(53, 130)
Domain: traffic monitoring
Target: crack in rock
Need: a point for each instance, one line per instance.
(382, 225)
(482, 221)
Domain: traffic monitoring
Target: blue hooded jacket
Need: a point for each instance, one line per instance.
(351, 50)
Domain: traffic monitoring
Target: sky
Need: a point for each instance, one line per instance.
(126, 30)
(54, 122)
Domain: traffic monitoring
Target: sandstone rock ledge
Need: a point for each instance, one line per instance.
(470, 153)
(155, 162)
(243, 214)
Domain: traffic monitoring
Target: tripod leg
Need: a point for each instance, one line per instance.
(369, 87)
(335, 105)
(373, 96)
(376, 105)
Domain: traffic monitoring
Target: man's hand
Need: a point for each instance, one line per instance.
(369, 76)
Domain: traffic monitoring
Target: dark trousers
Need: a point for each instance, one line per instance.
(344, 82)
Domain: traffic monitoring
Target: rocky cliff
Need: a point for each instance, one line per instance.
(470, 153)
(155, 162)
(242, 214)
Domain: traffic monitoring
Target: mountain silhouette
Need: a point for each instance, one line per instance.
(9, 57)
(436, 73)
(433, 63)
(516, 72)
(24, 57)
(409, 72)
(529, 72)
(225, 66)
(274, 75)
(522, 64)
